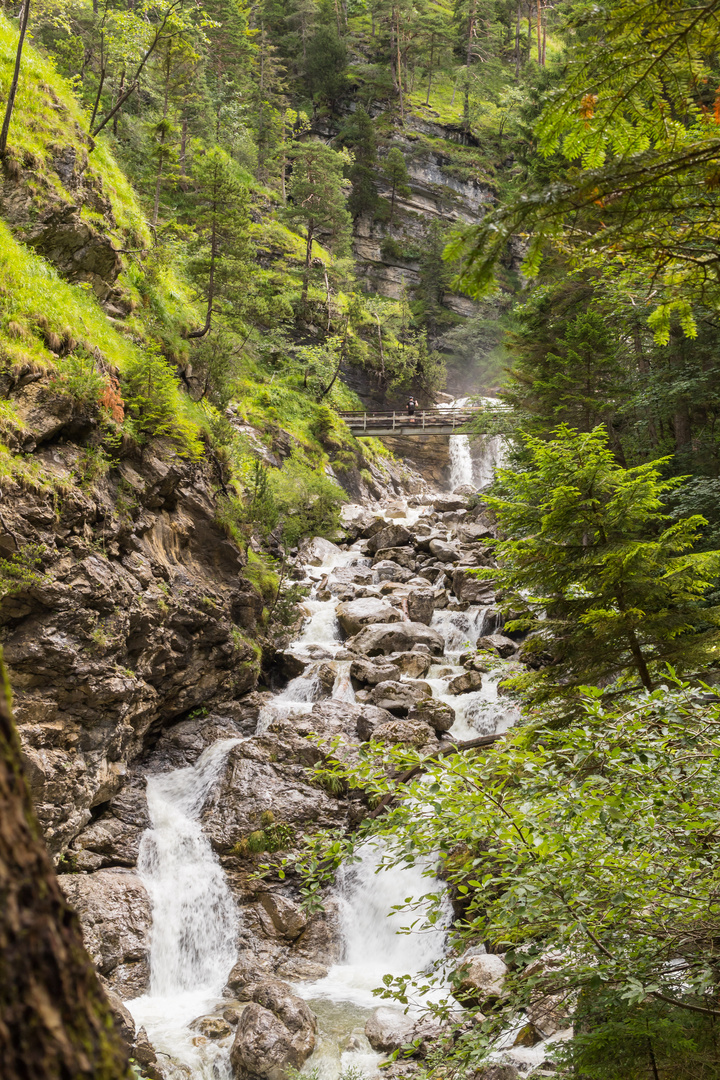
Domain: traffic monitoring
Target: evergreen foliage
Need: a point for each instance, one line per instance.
(605, 584)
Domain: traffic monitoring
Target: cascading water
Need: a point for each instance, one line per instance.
(461, 463)
(192, 947)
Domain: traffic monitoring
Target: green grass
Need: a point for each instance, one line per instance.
(47, 116)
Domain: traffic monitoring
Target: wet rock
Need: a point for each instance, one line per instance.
(292, 664)
(471, 531)
(388, 1029)
(392, 536)
(402, 556)
(437, 714)
(496, 1072)
(421, 605)
(145, 1055)
(482, 979)
(212, 1027)
(344, 718)
(407, 732)
(471, 589)
(318, 551)
(246, 970)
(358, 613)
(548, 1014)
(121, 1015)
(287, 918)
(503, 646)
(414, 664)
(367, 674)
(387, 570)
(444, 551)
(399, 696)
(276, 1031)
(396, 637)
(359, 521)
(447, 503)
(297, 967)
(114, 911)
(465, 684)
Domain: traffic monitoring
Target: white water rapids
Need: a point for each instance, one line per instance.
(193, 943)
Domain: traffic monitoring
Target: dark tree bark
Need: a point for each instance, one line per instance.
(15, 79)
(55, 1023)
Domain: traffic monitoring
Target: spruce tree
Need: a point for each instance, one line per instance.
(608, 585)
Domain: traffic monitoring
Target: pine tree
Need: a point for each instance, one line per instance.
(359, 134)
(317, 200)
(607, 585)
(395, 170)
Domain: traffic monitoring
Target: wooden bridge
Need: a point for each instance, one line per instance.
(436, 421)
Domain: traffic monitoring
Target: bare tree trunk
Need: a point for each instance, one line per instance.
(211, 279)
(399, 67)
(468, 61)
(308, 261)
(430, 72)
(539, 32)
(15, 79)
(517, 42)
(55, 1019)
(544, 44)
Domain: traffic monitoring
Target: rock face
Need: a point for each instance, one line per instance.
(276, 1031)
(135, 613)
(387, 638)
(114, 911)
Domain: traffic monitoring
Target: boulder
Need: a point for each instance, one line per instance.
(444, 551)
(503, 646)
(318, 551)
(342, 717)
(354, 615)
(245, 971)
(288, 919)
(471, 589)
(212, 1027)
(385, 638)
(471, 531)
(387, 570)
(497, 1072)
(399, 696)
(124, 1023)
(408, 732)
(402, 556)
(415, 664)
(466, 683)
(264, 1047)
(389, 537)
(388, 1029)
(421, 605)
(115, 916)
(367, 674)
(481, 979)
(437, 714)
(444, 504)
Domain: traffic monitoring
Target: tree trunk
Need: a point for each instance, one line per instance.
(430, 72)
(399, 67)
(539, 32)
(15, 78)
(211, 279)
(468, 61)
(55, 1019)
(308, 261)
(517, 42)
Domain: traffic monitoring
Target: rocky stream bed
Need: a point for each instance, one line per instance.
(216, 973)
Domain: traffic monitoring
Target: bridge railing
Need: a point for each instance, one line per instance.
(421, 418)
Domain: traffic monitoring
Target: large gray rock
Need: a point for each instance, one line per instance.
(471, 589)
(388, 1029)
(444, 551)
(383, 639)
(387, 570)
(445, 504)
(369, 674)
(407, 732)
(115, 915)
(421, 605)
(342, 717)
(286, 917)
(414, 664)
(355, 614)
(481, 979)
(389, 537)
(318, 551)
(466, 683)
(399, 696)
(275, 1032)
(437, 714)
(503, 646)
(404, 557)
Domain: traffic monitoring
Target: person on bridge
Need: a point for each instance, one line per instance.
(411, 409)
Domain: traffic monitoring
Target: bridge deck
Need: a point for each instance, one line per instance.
(425, 422)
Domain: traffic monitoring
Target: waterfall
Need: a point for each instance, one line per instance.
(461, 463)
(192, 946)
(374, 944)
